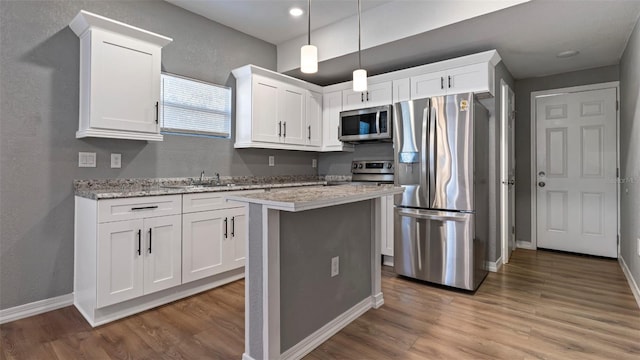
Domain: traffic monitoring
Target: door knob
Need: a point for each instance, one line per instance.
(541, 184)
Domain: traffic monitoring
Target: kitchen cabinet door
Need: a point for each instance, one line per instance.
(386, 246)
(472, 78)
(162, 253)
(401, 90)
(427, 85)
(236, 241)
(293, 114)
(377, 95)
(265, 110)
(203, 241)
(331, 108)
(120, 262)
(314, 118)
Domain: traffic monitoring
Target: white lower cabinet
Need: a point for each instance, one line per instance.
(133, 254)
(386, 245)
(137, 257)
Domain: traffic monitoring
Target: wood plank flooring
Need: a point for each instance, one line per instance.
(543, 305)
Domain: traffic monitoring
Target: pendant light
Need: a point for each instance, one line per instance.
(309, 53)
(359, 75)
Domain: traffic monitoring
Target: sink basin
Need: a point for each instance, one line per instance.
(195, 186)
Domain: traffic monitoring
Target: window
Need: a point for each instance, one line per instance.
(194, 107)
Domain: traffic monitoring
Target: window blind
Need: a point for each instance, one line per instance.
(194, 107)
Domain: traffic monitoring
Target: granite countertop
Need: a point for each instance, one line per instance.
(123, 188)
(316, 197)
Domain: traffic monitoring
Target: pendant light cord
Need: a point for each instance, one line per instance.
(359, 38)
(309, 23)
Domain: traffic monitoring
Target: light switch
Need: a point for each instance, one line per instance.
(86, 159)
(116, 161)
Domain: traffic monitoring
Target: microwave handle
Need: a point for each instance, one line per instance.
(378, 122)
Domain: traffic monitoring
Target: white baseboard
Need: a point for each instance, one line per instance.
(632, 282)
(321, 335)
(247, 357)
(35, 308)
(525, 245)
(494, 266)
(377, 300)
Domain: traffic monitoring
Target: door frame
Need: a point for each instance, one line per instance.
(560, 91)
(504, 161)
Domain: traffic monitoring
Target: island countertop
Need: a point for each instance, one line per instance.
(300, 199)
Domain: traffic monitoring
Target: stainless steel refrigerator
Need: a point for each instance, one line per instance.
(441, 150)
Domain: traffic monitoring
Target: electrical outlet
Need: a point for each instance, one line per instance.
(86, 159)
(335, 266)
(116, 161)
(272, 160)
(314, 163)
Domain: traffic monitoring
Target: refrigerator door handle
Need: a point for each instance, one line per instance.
(425, 160)
(434, 215)
(432, 153)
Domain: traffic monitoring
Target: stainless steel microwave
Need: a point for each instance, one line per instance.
(366, 124)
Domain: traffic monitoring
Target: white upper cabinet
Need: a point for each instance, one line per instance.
(401, 90)
(276, 111)
(314, 118)
(331, 108)
(376, 95)
(119, 78)
(476, 78)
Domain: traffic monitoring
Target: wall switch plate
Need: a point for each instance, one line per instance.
(86, 159)
(314, 163)
(335, 266)
(116, 161)
(272, 160)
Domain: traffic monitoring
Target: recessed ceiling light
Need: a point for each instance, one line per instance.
(296, 12)
(568, 53)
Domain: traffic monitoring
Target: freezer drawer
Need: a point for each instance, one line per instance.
(439, 247)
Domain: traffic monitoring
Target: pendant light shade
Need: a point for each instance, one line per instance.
(360, 75)
(309, 59)
(360, 80)
(309, 53)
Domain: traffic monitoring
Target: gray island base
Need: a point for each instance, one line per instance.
(293, 303)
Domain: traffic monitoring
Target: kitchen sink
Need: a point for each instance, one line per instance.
(197, 186)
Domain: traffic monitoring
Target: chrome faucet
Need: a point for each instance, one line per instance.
(217, 179)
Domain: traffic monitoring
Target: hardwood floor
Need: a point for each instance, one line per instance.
(543, 305)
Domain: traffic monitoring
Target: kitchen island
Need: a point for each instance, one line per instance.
(313, 265)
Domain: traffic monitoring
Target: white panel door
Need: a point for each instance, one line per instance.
(236, 241)
(125, 83)
(203, 235)
(120, 262)
(293, 115)
(265, 110)
(314, 118)
(331, 107)
(576, 172)
(163, 253)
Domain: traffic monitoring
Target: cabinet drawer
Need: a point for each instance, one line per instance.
(212, 200)
(138, 207)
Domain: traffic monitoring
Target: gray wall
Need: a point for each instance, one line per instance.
(39, 60)
(630, 154)
(309, 296)
(339, 163)
(523, 91)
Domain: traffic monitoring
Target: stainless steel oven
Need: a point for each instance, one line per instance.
(366, 124)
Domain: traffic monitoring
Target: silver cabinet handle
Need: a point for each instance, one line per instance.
(449, 81)
(139, 241)
(442, 82)
(233, 226)
(279, 128)
(149, 240)
(361, 97)
(367, 96)
(226, 228)
(309, 132)
(285, 129)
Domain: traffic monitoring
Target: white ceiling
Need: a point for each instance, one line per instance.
(527, 36)
(269, 20)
